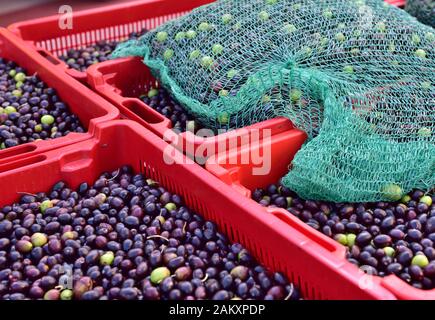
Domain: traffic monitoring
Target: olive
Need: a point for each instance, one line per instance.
(5, 228)
(157, 275)
(240, 272)
(107, 258)
(420, 260)
(39, 239)
(183, 273)
(81, 286)
(382, 241)
(66, 294)
(52, 294)
(404, 258)
(36, 292)
(416, 273)
(128, 293)
(363, 238)
(24, 246)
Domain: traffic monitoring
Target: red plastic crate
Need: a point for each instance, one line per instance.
(121, 81)
(87, 105)
(110, 23)
(310, 261)
(233, 169)
(397, 3)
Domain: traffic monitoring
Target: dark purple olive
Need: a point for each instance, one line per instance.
(382, 241)
(363, 238)
(128, 293)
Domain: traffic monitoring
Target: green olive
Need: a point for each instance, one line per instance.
(415, 38)
(405, 199)
(45, 205)
(47, 119)
(66, 294)
(162, 36)
(180, 36)
(159, 274)
(340, 37)
(194, 54)
(424, 132)
(168, 54)
(207, 61)
(217, 49)
(420, 53)
(38, 239)
(38, 128)
(107, 258)
(264, 15)
(427, 200)
(17, 93)
(68, 235)
(20, 77)
(327, 14)
(389, 251)
(204, 26)
(350, 239)
(341, 238)
(9, 110)
(223, 93)
(226, 18)
(392, 192)
(429, 36)
(190, 34)
(420, 260)
(348, 69)
(290, 28)
(170, 206)
(153, 92)
(224, 118)
(295, 95)
(232, 73)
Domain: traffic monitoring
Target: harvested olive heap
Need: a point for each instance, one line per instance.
(161, 101)
(81, 59)
(29, 109)
(126, 238)
(382, 238)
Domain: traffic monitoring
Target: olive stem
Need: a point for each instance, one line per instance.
(115, 176)
(205, 278)
(157, 236)
(27, 194)
(290, 293)
(184, 227)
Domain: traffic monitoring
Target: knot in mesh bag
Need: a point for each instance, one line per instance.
(357, 76)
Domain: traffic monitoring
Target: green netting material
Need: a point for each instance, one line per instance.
(357, 76)
(423, 10)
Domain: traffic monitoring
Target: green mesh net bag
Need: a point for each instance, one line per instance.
(423, 10)
(357, 76)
